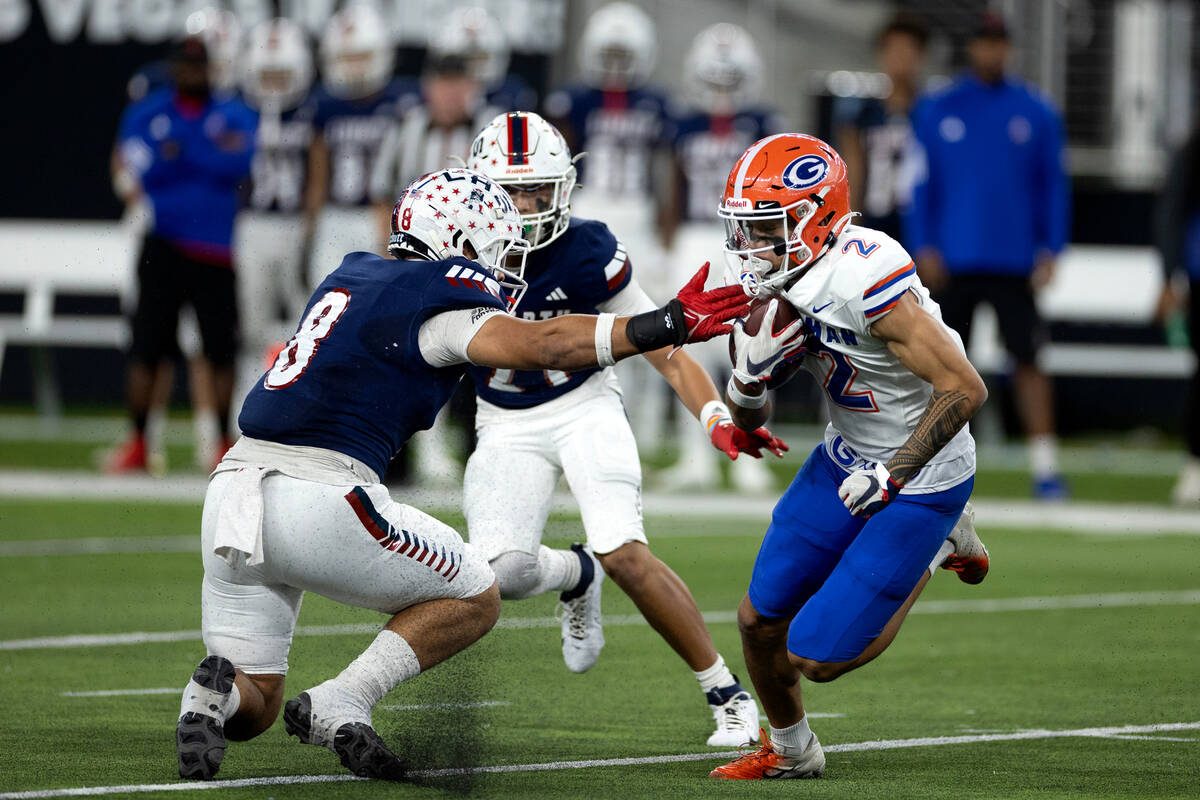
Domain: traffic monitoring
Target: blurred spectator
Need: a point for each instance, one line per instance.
(617, 125)
(277, 72)
(186, 151)
(619, 121)
(357, 103)
(434, 135)
(723, 78)
(990, 216)
(1179, 242)
(474, 34)
(874, 135)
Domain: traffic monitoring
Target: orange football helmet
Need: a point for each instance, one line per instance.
(793, 178)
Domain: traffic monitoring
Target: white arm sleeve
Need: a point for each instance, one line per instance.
(444, 337)
(629, 301)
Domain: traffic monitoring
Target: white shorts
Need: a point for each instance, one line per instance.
(339, 231)
(352, 544)
(510, 477)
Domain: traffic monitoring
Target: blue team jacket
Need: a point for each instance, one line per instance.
(190, 165)
(994, 192)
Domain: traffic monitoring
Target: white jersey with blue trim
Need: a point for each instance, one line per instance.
(874, 400)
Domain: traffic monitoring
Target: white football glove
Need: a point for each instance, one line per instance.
(868, 491)
(757, 356)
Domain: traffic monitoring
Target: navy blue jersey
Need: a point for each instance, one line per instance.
(572, 275)
(352, 379)
(619, 131)
(353, 131)
(188, 161)
(512, 93)
(887, 147)
(706, 146)
(279, 172)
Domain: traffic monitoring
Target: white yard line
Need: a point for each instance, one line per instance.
(553, 766)
(1092, 518)
(123, 692)
(101, 545)
(977, 606)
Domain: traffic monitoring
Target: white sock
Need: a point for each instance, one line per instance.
(717, 676)
(1043, 456)
(214, 704)
(942, 554)
(557, 570)
(792, 740)
(381, 667)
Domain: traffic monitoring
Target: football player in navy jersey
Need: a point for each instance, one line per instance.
(357, 103)
(536, 425)
(472, 33)
(723, 74)
(297, 504)
(269, 235)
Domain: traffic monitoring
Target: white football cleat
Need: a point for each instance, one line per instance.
(970, 557)
(206, 704)
(582, 634)
(736, 715)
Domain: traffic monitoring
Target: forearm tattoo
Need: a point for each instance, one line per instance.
(944, 417)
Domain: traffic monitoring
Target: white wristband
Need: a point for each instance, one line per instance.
(745, 400)
(604, 329)
(714, 413)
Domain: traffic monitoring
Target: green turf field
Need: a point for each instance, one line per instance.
(1126, 656)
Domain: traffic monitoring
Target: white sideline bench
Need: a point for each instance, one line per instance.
(42, 260)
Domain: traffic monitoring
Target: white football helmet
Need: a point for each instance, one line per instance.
(278, 69)
(523, 152)
(475, 35)
(618, 46)
(441, 213)
(356, 52)
(722, 69)
(221, 33)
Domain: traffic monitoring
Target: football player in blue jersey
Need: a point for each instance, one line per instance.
(297, 504)
(723, 74)
(472, 33)
(269, 235)
(357, 103)
(537, 425)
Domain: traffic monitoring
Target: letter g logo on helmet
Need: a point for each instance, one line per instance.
(805, 171)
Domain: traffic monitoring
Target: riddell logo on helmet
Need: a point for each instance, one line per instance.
(518, 170)
(738, 203)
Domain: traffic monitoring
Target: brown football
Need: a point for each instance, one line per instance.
(784, 316)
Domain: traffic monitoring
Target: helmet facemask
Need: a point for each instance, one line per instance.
(505, 257)
(552, 214)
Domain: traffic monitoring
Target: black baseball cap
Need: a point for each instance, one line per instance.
(190, 50)
(991, 26)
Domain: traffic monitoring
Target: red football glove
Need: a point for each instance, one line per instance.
(731, 440)
(709, 314)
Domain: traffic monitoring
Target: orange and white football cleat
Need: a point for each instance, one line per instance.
(764, 763)
(970, 557)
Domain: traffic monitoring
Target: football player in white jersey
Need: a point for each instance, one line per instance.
(535, 426)
(880, 503)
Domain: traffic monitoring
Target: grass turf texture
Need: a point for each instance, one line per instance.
(990, 482)
(945, 675)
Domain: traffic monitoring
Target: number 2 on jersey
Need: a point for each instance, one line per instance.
(840, 378)
(300, 350)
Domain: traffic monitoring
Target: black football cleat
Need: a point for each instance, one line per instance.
(199, 736)
(356, 744)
